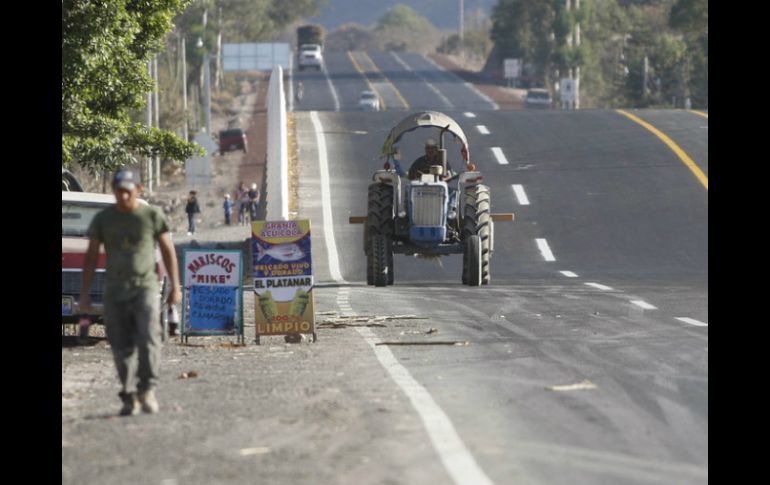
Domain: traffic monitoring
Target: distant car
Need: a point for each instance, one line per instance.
(369, 101)
(77, 211)
(310, 56)
(231, 140)
(538, 98)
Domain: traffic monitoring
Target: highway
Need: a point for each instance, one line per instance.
(586, 358)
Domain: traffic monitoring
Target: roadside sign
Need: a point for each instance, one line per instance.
(212, 298)
(512, 68)
(283, 278)
(261, 56)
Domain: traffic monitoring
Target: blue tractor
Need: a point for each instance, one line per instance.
(436, 214)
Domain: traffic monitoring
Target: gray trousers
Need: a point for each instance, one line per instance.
(134, 332)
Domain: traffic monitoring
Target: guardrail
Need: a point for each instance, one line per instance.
(277, 166)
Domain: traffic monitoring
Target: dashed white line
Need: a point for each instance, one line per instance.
(499, 155)
(692, 321)
(644, 304)
(569, 274)
(482, 129)
(468, 114)
(542, 244)
(520, 194)
(331, 88)
(433, 88)
(599, 286)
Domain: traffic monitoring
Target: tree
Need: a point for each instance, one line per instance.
(105, 48)
(401, 28)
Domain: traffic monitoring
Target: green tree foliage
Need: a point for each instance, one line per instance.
(105, 48)
(402, 28)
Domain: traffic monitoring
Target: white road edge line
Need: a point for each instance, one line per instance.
(433, 88)
(569, 274)
(331, 88)
(457, 460)
(467, 84)
(599, 286)
(644, 304)
(499, 155)
(692, 321)
(520, 194)
(542, 244)
(482, 129)
(323, 163)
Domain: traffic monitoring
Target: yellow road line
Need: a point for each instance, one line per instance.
(673, 146)
(398, 93)
(366, 79)
(699, 113)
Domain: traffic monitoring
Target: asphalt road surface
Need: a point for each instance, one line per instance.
(584, 361)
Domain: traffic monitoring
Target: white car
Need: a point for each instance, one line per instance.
(310, 56)
(369, 101)
(538, 98)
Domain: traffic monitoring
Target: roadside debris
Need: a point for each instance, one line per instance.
(432, 331)
(458, 343)
(341, 321)
(188, 375)
(259, 450)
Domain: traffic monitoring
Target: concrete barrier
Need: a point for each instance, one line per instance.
(277, 166)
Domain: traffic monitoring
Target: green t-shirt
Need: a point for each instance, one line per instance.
(129, 243)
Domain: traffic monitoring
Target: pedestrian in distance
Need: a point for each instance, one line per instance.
(192, 208)
(228, 207)
(129, 231)
(253, 195)
(242, 196)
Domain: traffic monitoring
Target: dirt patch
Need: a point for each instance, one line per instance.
(505, 97)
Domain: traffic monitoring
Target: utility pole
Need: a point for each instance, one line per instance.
(184, 89)
(148, 174)
(156, 105)
(462, 26)
(577, 68)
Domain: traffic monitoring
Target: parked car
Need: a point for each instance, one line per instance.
(69, 182)
(538, 98)
(77, 211)
(310, 56)
(369, 101)
(231, 140)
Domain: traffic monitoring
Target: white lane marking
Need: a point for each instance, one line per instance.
(520, 194)
(568, 274)
(482, 129)
(644, 304)
(323, 163)
(499, 155)
(597, 285)
(331, 88)
(468, 114)
(433, 88)
(692, 321)
(542, 244)
(457, 460)
(580, 386)
(467, 84)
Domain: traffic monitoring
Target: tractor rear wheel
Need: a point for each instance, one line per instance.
(379, 221)
(472, 261)
(380, 254)
(477, 222)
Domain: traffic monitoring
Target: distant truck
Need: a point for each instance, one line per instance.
(310, 39)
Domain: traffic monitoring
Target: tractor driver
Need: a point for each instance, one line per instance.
(431, 157)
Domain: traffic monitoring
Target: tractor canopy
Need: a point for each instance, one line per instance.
(425, 119)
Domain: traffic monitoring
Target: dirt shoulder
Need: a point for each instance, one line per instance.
(505, 97)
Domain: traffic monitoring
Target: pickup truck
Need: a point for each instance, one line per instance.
(77, 211)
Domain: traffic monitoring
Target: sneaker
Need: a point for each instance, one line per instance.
(130, 405)
(149, 403)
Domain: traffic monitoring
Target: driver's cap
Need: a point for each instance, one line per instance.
(430, 142)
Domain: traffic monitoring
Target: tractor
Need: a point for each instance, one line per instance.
(434, 215)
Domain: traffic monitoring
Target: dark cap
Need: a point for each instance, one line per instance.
(124, 179)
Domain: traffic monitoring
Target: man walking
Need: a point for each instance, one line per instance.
(129, 230)
(192, 208)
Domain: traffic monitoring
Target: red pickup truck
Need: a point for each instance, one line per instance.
(77, 211)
